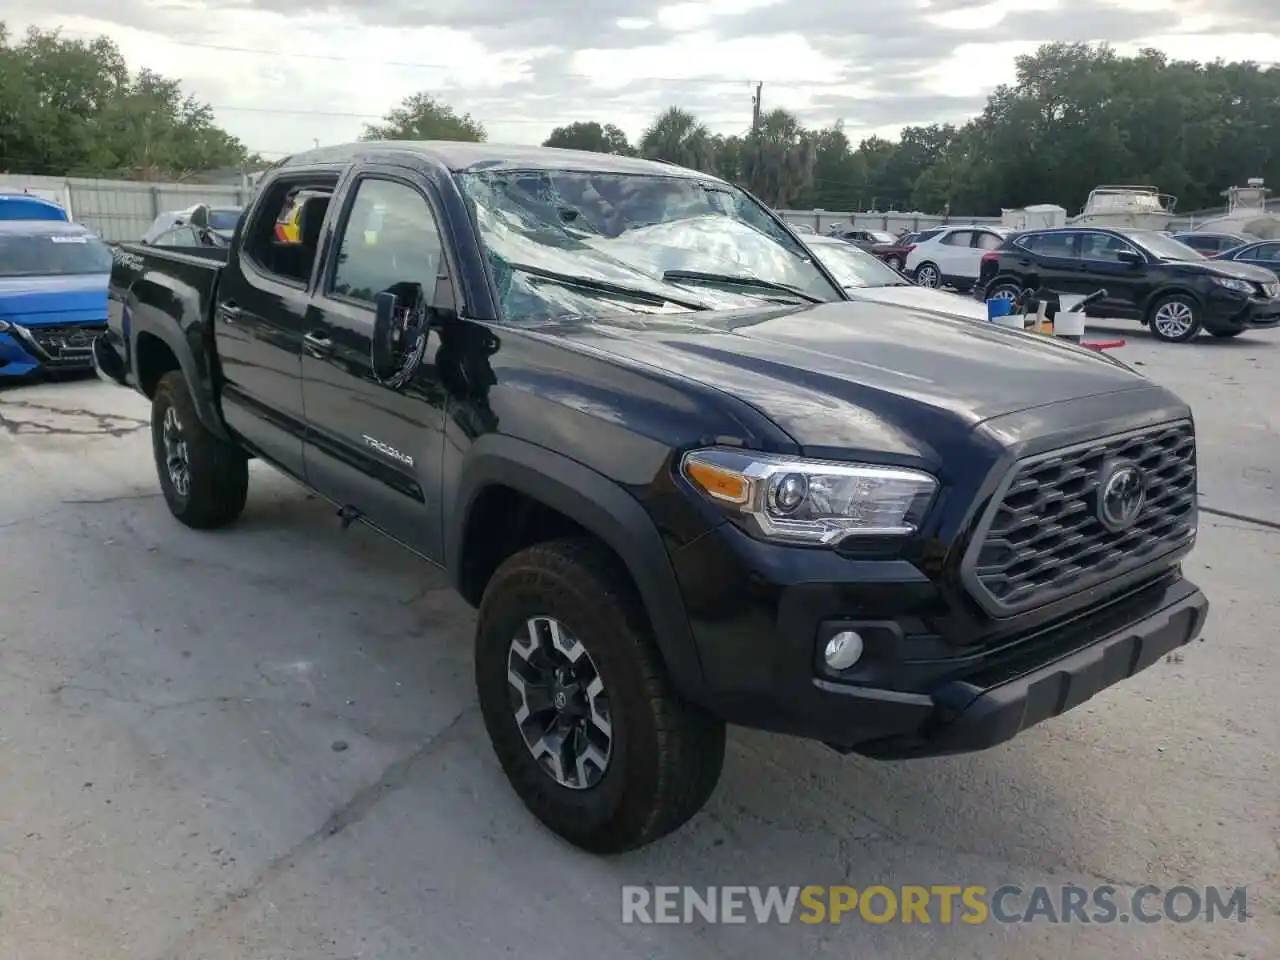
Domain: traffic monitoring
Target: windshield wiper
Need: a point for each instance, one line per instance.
(604, 286)
(729, 279)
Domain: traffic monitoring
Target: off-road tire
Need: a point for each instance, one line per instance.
(667, 754)
(218, 470)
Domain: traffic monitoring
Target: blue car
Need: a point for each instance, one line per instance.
(53, 296)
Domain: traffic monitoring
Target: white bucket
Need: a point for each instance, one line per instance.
(1069, 325)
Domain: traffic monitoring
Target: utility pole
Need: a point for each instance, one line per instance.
(755, 108)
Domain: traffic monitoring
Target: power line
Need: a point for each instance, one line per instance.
(423, 65)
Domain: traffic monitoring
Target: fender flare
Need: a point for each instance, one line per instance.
(199, 383)
(601, 507)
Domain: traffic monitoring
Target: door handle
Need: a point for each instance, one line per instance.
(317, 345)
(229, 312)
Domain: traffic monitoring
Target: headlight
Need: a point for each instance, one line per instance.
(811, 501)
(1243, 286)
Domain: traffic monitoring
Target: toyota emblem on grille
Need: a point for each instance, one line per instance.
(1122, 490)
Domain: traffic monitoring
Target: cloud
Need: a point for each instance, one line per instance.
(320, 69)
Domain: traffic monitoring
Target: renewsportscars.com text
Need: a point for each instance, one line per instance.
(940, 903)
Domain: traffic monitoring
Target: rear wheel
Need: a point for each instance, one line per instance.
(894, 261)
(204, 479)
(577, 704)
(1175, 318)
(1004, 290)
(928, 275)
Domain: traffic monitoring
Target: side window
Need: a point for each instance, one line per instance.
(177, 237)
(1266, 252)
(958, 238)
(284, 238)
(988, 241)
(390, 237)
(1060, 245)
(1103, 246)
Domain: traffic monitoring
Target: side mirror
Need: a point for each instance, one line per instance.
(200, 217)
(388, 334)
(1131, 258)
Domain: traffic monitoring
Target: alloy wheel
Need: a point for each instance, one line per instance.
(560, 703)
(1174, 319)
(176, 460)
(927, 276)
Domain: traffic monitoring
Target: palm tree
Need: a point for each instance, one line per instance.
(778, 159)
(678, 137)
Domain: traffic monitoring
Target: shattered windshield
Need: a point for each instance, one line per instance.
(564, 243)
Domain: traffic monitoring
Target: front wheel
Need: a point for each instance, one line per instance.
(1175, 318)
(928, 275)
(578, 706)
(204, 479)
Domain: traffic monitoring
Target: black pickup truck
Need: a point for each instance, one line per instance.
(685, 481)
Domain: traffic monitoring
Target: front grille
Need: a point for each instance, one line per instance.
(68, 345)
(1044, 538)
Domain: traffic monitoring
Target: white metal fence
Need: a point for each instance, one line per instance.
(123, 209)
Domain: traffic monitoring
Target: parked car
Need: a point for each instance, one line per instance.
(860, 236)
(1259, 253)
(952, 257)
(895, 254)
(24, 206)
(865, 277)
(801, 228)
(221, 221)
(1209, 243)
(53, 296)
(1151, 278)
(195, 235)
(684, 479)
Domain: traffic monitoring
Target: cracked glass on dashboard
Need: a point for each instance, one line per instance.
(618, 235)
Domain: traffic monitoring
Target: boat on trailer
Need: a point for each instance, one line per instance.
(1140, 207)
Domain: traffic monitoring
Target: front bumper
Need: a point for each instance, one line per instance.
(26, 349)
(1229, 313)
(761, 621)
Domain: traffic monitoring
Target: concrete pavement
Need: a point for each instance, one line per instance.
(262, 743)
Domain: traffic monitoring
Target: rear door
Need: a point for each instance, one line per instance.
(1266, 255)
(260, 319)
(956, 256)
(1049, 259)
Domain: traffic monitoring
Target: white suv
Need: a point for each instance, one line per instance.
(952, 257)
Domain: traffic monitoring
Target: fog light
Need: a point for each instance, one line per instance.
(843, 650)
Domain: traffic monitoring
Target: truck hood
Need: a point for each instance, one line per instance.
(32, 301)
(858, 375)
(921, 298)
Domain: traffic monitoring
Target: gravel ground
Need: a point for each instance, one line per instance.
(262, 743)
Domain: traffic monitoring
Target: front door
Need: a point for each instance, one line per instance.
(372, 447)
(1266, 255)
(1125, 282)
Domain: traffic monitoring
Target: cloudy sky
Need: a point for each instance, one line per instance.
(283, 74)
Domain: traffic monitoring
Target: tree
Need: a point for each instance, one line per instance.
(590, 136)
(421, 116)
(677, 136)
(778, 159)
(71, 107)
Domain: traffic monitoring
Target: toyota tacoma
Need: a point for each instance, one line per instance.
(683, 478)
